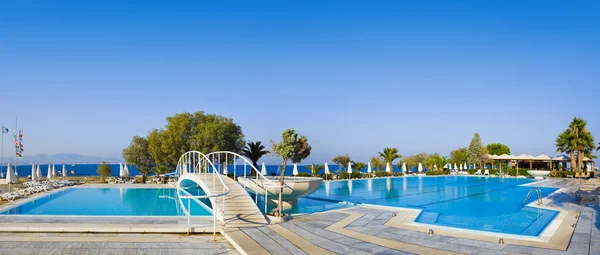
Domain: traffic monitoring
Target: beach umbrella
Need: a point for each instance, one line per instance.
(64, 171)
(263, 169)
(349, 167)
(120, 169)
(39, 172)
(1, 173)
(53, 171)
(455, 167)
(420, 168)
(326, 168)
(369, 167)
(435, 166)
(10, 175)
(33, 173)
(387, 168)
(404, 167)
(125, 170)
(295, 172)
(224, 166)
(49, 174)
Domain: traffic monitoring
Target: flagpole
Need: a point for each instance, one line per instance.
(17, 134)
(2, 156)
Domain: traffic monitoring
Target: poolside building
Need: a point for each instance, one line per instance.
(542, 161)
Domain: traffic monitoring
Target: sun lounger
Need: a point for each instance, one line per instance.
(577, 175)
(478, 172)
(486, 172)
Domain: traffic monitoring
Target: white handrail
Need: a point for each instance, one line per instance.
(246, 161)
(195, 165)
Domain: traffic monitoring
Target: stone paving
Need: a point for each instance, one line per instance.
(81, 244)
(313, 228)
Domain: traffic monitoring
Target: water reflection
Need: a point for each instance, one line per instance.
(350, 186)
(388, 184)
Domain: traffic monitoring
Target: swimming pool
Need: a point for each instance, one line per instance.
(111, 202)
(475, 203)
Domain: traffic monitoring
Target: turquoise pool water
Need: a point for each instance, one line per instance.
(112, 202)
(476, 203)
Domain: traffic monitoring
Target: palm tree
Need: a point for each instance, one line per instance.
(389, 155)
(144, 171)
(565, 144)
(358, 166)
(254, 151)
(314, 169)
(160, 171)
(582, 139)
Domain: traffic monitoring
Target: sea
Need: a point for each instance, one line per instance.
(90, 169)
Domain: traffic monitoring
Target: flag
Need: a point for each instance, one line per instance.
(4, 130)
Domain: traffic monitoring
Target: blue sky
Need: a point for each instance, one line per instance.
(354, 76)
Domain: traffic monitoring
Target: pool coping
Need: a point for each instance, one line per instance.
(48, 223)
(556, 235)
(15, 203)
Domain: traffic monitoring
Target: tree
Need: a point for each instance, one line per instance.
(155, 147)
(104, 170)
(476, 150)
(565, 144)
(460, 155)
(198, 131)
(435, 160)
(377, 163)
(290, 148)
(582, 139)
(358, 166)
(414, 160)
(138, 154)
(342, 161)
(389, 155)
(254, 151)
(498, 149)
(314, 169)
(213, 132)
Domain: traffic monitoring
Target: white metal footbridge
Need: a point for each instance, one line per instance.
(231, 203)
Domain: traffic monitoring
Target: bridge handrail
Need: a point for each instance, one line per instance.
(215, 173)
(270, 182)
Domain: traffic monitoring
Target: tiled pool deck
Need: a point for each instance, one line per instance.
(359, 230)
(363, 230)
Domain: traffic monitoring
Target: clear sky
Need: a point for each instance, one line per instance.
(353, 76)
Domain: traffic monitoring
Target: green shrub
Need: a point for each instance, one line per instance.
(344, 175)
(328, 176)
(104, 170)
(472, 171)
(303, 174)
(380, 173)
(434, 172)
(356, 175)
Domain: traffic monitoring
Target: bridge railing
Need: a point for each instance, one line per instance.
(194, 162)
(225, 157)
